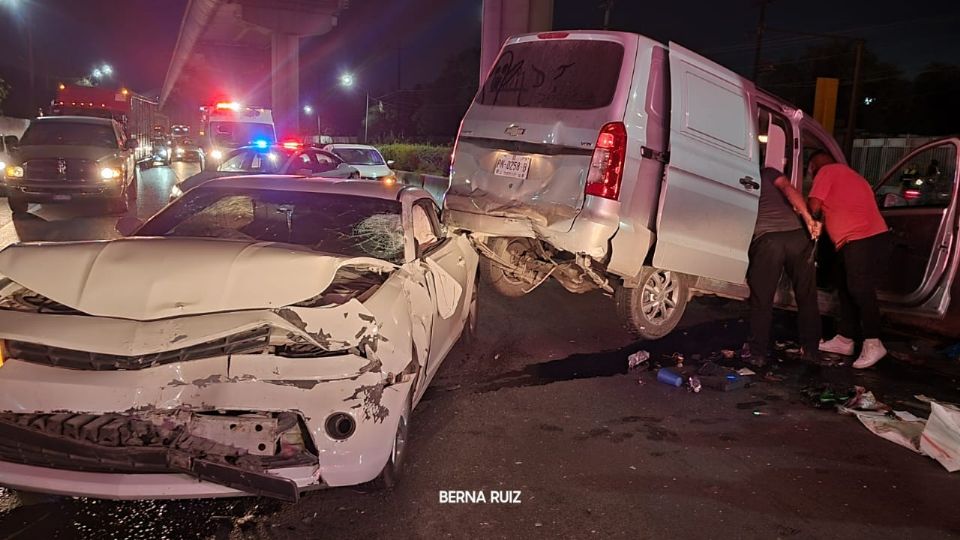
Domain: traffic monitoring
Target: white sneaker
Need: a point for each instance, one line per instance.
(838, 345)
(873, 351)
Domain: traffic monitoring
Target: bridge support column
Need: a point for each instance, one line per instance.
(285, 61)
(504, 18)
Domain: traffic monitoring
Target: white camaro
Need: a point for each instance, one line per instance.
(261, 335)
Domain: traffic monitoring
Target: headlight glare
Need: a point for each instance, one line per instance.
(109, 173)
(13, 171)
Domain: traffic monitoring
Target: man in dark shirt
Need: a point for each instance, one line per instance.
(782, 242)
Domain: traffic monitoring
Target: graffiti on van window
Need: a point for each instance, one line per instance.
(518, 77)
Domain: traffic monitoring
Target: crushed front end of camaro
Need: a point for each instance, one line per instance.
(228, 398)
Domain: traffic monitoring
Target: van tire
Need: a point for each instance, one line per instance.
(17, 205)
(507, 249)
(653, 308)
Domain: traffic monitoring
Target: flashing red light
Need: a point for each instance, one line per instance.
(228, 105)
(606, 166)
(291, 145)
(552, 35)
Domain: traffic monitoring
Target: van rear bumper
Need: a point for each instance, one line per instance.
(589, 234)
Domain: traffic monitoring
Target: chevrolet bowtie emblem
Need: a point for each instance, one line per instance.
(62, 166)
(514, 130)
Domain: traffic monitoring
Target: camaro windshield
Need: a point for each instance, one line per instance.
(345, 225)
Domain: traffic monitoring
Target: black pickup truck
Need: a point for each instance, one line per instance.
(69, 158)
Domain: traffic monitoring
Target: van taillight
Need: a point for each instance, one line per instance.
(606, 167)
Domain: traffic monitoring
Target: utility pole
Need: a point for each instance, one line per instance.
(854, 100)
(760, 25)
(607, 6)
(366, 117)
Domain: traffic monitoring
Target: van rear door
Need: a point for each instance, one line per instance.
(525, 144)
(708, 203)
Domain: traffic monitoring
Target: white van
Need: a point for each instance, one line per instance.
(609, 160)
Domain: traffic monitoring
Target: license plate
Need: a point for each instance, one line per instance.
(512, 166)
(61, 197)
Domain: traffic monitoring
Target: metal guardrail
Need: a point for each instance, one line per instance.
(436, 185)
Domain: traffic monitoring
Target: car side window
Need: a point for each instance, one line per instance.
(810, 144)
(234, 163)
(426, 226)
(925, 180)
(324, 162)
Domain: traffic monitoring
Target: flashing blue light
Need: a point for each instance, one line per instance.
(261, 143)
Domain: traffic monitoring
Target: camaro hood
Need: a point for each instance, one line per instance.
(156, 278)
(43, 151)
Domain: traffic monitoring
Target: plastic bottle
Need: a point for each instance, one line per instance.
(668, 376)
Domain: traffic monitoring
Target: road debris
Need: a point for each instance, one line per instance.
(941, 436)
(745, 372)
(728, 354)
(695, 384)
(669, 376)
(637, 358)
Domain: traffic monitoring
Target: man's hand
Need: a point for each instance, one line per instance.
(814, 227)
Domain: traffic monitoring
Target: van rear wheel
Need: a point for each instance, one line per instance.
(505, 282)
(653, 308)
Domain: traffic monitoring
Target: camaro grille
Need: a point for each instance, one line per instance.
(250, 341)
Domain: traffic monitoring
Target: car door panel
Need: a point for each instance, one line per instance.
(708, 202)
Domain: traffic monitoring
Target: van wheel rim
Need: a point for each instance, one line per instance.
(659, 297)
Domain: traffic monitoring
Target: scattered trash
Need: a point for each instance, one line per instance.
(695, 384)
(727, 354)
(863, 400)
(637, 358)
(496, 356)
(745, 352)
(941, 436)
(826, 396)
(745, 372)
(721, 378)
(888, 426)
(668, 376)
(678, 358)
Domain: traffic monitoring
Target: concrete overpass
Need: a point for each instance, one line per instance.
(249, 49)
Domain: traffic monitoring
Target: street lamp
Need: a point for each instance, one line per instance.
(347, 81)
(97, 73)
(308, 110)
(107, 70)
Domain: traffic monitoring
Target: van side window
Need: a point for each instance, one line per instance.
(809, 143)
(781, 157)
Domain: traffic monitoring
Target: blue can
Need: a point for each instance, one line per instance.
(668, 376)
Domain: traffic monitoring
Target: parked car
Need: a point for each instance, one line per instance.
(365, 159)
(261, 335)
(293, 159)
(70, 158)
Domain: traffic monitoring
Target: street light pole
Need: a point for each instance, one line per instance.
(366, 117)
(760, 25)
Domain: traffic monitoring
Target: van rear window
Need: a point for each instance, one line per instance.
(554, 74)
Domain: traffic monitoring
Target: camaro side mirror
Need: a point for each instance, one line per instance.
(127, 225)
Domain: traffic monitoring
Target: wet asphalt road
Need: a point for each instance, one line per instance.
(543, 404)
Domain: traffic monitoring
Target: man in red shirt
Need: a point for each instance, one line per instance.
(854, 224)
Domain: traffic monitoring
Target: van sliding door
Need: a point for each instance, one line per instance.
(708, 203)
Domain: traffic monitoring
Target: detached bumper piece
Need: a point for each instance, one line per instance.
(165, 443)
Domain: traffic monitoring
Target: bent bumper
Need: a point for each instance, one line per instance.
(133, 486)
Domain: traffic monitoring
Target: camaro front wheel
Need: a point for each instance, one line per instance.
(390, 473)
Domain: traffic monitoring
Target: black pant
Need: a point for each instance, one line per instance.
(770, 254)
(861, 262)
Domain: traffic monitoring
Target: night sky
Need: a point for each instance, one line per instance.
(376, 37)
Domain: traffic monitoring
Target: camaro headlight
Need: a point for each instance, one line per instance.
(13, 171)
(109, 173)
(216, 154)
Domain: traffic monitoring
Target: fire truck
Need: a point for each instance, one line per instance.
(139, 115)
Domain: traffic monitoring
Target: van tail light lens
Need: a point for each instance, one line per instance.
(606, 166)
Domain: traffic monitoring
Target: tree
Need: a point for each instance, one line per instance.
(4, 93)
(886, 110)
(933, 107)
(446, 99)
